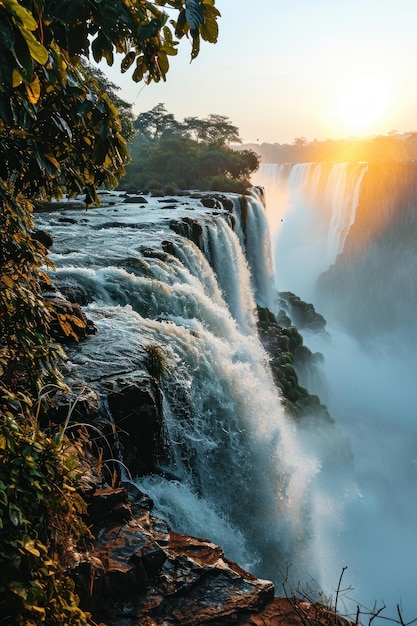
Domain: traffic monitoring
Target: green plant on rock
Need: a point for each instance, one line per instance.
(41, 525)
(156, 360)
(283, 344)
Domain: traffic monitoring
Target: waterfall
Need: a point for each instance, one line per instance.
(343, 237)
(324, 198)
(235, 470)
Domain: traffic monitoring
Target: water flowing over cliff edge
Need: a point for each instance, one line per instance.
(175, 279)
(344, 238)
(171, 278)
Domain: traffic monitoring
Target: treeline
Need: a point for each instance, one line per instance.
(382, 148)
(167, 155)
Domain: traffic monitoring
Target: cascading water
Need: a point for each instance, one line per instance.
(343, 238)
(235, 469)
(324, 200)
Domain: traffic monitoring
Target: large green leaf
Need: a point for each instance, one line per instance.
(128, 60)
(102, 47)
(22, 56)
(6, 36)
(36, 49)
(22, 15)
(194, 13)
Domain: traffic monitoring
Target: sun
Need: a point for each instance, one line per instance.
(363, 102)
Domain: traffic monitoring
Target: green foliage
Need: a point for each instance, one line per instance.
(186, 156)
(27, 356)
(302, 313)
(156, 361)
(60, 132)
(124, 109)
(285, 347)
(40, 521)
(156, 123)
(212, 129)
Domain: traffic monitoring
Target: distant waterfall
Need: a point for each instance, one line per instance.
(324, 199)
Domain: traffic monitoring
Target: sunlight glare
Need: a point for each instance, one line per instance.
(363, 102)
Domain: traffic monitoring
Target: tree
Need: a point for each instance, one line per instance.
(58, 129)
(213, 129)
(156, 123)
(176, 160)
(60, 133)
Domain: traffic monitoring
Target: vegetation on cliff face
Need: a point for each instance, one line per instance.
(59, 134)
(41, 524)
(284, 344)
(193, 154)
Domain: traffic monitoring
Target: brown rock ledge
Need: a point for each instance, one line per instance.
(140, 573)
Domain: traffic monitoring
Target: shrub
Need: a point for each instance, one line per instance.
(40, 521)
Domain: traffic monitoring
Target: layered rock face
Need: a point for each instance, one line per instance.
(141, 573)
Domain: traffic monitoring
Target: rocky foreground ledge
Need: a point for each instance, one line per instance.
(141, 573)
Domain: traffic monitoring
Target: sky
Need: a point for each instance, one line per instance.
(296, 68)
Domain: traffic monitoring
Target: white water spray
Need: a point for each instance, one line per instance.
(370, 363)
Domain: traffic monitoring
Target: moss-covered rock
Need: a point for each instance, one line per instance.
(302, 314)
(284, 344)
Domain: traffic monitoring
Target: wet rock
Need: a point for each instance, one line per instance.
(135, 405)
(211, 202)
(67, 220)
(303, 314)
(135, 199)
(189, 228)
(43, 237)
(109, 506)
(69, 322)
(143, 573)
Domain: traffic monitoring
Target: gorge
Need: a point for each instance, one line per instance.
(343, 238)
(179, 282)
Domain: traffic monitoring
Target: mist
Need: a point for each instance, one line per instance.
(364, 515)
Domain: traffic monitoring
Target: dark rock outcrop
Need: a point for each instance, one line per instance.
(303, 314)
(43, 237)
(189, 228)
(285, 346)
(135, 199)
(141, 573)
(69, 322)
(135, 405)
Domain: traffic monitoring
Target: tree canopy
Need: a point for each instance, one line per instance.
(191, 154)
(58, 129)
(156, 123)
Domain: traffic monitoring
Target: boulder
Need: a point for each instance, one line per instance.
(69, 322)
(135, 405)
(43, 237)
(135, 199)
(144, 573)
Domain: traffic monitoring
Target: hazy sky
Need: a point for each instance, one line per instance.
(285, 69)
